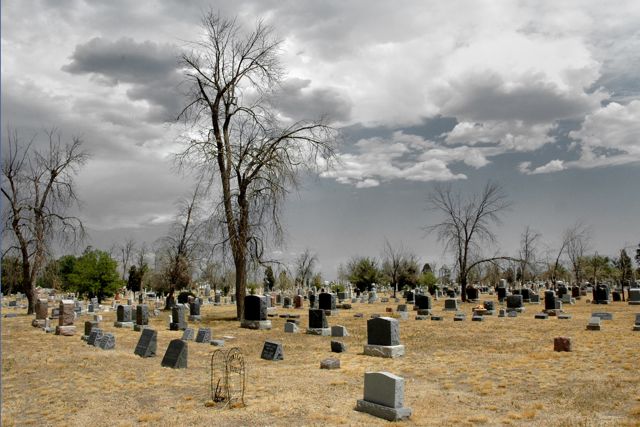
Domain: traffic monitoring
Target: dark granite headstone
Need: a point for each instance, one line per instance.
(176, 355)
(147, 344)
(338, 347)
(423, 302)
(526, 294)
(489, 305)
(124, 313)
(312, 301)
(472, 293)
(549, 300)
(194, 308)
(502, 294)
(255, 308)
(317, 319)
(383, 331)
(575, 292)
(179, 322)
(327, 301)
(409, 296)
(204, 335)
(106, 342)
(89, 325)
(514, 301)
(272, 351)
(95, 334)
(142, 315)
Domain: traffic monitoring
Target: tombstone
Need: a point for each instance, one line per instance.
(178, 318)
(106, 342)
(594, 324)
(123, 317)
(95, 334)
(514, 302)
(318, 324)
(67, 316)
(327, 302)
(217, 298)
(575, 292)
(338, 347)
(512, 313)
(401, 307)
(188, 334)
(383, 396)
(490, 307)
(147, 344)
(176, 355)
(636, 326)
(255, 313)
(194, 310)
(42, 309)
(88, 326)
(502, 293)
(601, 294)
(459, 317)
(567, 299)
(298, 301)
(204, 335)
(272, 350)
(342, 296)
(409, 296)
(290, 327)
(562, 344)
(451, 304)
(330, 363)
(562, 290)
(339, 331)
(549, 300)
(502, 312)
(142, 317)
(634, 296)
(287, 302)
(542, 316)
(603, 315)
(526, 294)
(423, 302)
(472, 293)
(383, 338)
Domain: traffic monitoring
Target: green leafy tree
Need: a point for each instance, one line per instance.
(363, 272)
(136, 276)
(95, 274)
(623, 264)
(428, 280)
(269, 279)
(316, 281)
(11, 275)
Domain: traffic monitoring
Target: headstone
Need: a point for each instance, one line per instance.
(178, 318)
(472, 293)
(95, 334)
(287, 302)
(502, 312)
(594, 324)
(67, 315)
(575, 292)
(123, 317)
(636, 326)
(601, 294)
(526, 294)
(409, 296)
(562, 344)
(317, 319)
(549, 300)
(383, 396)
(290, 327)
(383, 338)
(42, 309)
(603, 315)
(634, 296)
(272, 351)
(204, 335)
(423, 302)
(512, 313)
(142, 315)
(147, 344)
(339, 331)
(106, 342)
(298, 301)
(330, 363)
(312, 301)
(514, 302)
(327, 301)
(502, 293)
(458, 317)
(188, 334)
(176, 355)
(194, 310)
(451, 304)
(542, 316)
(338, 347)
(255, 308)
(88, 326)
(490, 306)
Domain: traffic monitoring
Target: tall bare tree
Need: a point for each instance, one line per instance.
(396, 262)
(304, 265)
(39, 190)
(528, 248)
(575, 241)
(125, 252)
(238, 137)
(467, 223)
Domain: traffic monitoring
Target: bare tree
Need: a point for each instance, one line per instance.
(575, 240)
(125, 252)
(38, 188)
(466, 224)
(528, 248)
(251, 153)
(304, 266)
(395, 262)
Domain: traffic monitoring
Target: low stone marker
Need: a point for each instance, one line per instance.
(147, 344)
(338, 347)
(330, 363)
(502, 312)
(595, 324)
(203, 335)
(437, 318)
(512, 313)
(541, 316)
(217, 343)
(458, 317)
(96, 333)
(339, 331)
(562, 344)
(603, 315)
(451, 304)
(564, 316)
(106, 342)
(636, 326)
(383, 396)
(176, 355)
(383, 338)
(272, 350)
(477, 318)
(188, 334)
(290, 327)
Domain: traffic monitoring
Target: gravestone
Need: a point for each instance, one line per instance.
(95, 334)
(217, 298)
(575, 292)
(194, 310)
(312, 301)
(549, 300)
(603, 315)
(514, 303)
(106, 342)
(298, 301)
(636, 326)
(65, 320)
(615, 296)
(123, 317)
(562, 344)
(204, 335)
(176, 355)
(601, 294)
(178, 318)
(255, 313)
(594, 324)
(502, 312)
(330, 363)
(383, 396)
(272, 350)
(327, 302)
(526, 294)
(423, 302)
(502, 294)
(339, 331)
(338, 347)
(88, 326)
(142, 317)
(634, 296)
(147, 344)
(490, 307)
(318, 324)
(451, 304)
(383, 338)
(459, 317)
(290, 327)
(472, 293)
(542, 316)
(409, 296)
(42, 309)
(188, 334)
(512, 313)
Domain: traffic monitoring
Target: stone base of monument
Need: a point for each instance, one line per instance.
(256, 324)
(516, 309)
(123, 324)
(636, 327)
(325, 332)
(634, 302)
(195, 318)
(38, 323)
(552, 312)
(422, 317)
(384, 412)
(331, 312)
(66, 331)
(139, 328)
(386, 351)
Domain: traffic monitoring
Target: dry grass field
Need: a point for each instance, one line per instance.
(502, 371)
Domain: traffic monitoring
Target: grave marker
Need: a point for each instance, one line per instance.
(147, 344)
(176, 355)
(272, 350)
(383, 396)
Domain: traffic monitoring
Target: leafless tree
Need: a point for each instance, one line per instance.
(467, 223)
(125, 252)
(304, 265)
(528, 248)
(237, 137)
(575, 241)
(39, 190)
(394, 263)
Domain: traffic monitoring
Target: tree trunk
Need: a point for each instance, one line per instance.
(170, 300)
(463, 287)
(241, 284)
(29, 285)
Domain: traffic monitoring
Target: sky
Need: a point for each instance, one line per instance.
(542, 97)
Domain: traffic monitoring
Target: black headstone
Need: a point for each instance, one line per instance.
(549, 300)
(383, 331)
(409, 296)
(423, 302)
(514, 301)
(204, 335)
(89, 325)
(327, 301)
(147, 344)
(472, 293)
(502, 294)
(255, 308)
(142, 315)
(312, 300)
(179, 322)
(526, 295)
(176, 355)
(317, 319)
(194, 308)
(272, 351)
(575, 292)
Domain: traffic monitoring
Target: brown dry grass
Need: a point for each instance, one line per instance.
(502, 371)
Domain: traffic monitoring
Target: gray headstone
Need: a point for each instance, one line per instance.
(188, 334)
(176, 355)
(147, 344)
(204, 335)
(272, 351)
(383, 331)
(178, 316)
(142, 315)
(106, 342)
(339, 331)
(384, 388)
(96, 333)
(123, 313)
(290, 327)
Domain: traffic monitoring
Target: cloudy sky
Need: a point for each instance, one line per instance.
(543, 97)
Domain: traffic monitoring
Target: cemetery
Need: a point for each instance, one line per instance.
(505, 370)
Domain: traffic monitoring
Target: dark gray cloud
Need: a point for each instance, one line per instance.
(297, 100)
